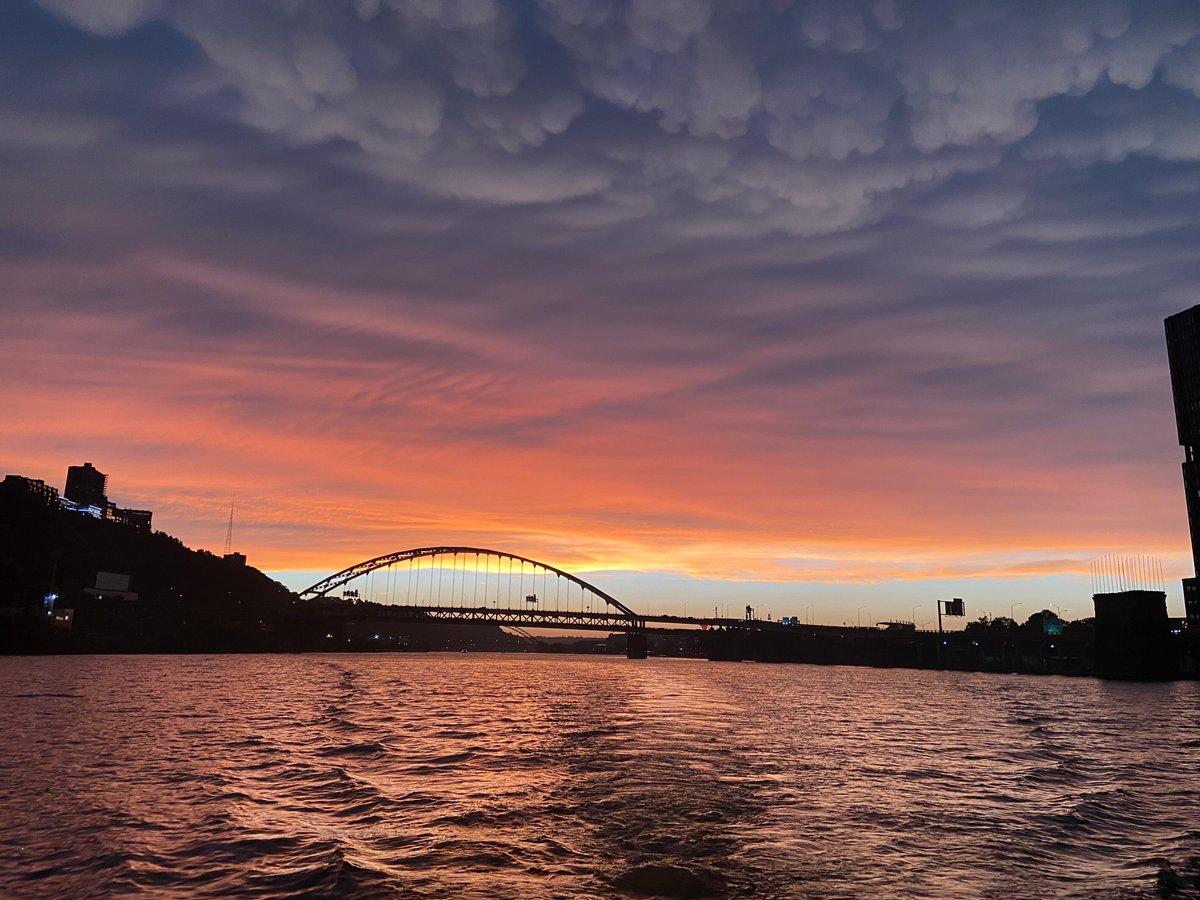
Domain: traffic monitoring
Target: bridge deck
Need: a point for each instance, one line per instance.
(542, 618)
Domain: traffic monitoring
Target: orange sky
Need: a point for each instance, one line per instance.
(708, 297)
(333, 460)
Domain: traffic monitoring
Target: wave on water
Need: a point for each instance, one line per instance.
(547, 776)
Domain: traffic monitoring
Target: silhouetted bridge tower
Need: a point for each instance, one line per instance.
(476, 585)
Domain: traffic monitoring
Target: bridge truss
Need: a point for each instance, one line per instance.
(474, 584)
(517, 619)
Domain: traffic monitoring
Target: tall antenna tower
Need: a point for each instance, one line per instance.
(229, 531)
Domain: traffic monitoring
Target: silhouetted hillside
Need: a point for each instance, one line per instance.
(186, 599)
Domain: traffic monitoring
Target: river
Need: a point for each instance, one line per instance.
(475, 775)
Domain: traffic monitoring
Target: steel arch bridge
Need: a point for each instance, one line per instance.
(478, 585)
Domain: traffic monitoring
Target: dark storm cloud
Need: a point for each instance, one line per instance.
(651, 108)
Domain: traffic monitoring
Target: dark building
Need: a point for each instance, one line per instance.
(87, 493)
(34, 488)
(1183, 356)
(87, 486)
(1133, 636)
(134, 518)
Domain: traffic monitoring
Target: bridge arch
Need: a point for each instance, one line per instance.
(358, 570)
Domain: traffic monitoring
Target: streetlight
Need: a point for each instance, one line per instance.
(685, 609)
(860, 609)
(807, 617)
(914, 614)
(1011, 607)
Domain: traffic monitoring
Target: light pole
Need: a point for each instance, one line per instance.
(914, 614)
(1011, 607)
(860, 609)
(685, 609)
(807, 617)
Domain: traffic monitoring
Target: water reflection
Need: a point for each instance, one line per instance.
(494, 776)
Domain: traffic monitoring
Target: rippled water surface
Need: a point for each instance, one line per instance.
(434, 775)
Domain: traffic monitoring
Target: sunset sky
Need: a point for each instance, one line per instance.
(791, 303)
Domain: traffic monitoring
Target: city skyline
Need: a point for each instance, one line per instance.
(815, 303)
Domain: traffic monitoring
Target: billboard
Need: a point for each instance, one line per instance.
(111, 581)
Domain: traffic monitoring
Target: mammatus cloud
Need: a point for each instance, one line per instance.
(849, 290)
(828, 112)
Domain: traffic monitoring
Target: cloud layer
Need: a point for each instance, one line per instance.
(807, 290)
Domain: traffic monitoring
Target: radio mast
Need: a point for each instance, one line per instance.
(229, 531)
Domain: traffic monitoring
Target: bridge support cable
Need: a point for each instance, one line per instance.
(437, 561)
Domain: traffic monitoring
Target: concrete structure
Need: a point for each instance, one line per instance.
(1183, 356)
(1133, 636)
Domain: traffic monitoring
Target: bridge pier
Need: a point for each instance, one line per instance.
(635, 645)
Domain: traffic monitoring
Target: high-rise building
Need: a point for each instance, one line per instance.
(86, 486)
(1183, 356)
